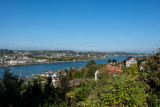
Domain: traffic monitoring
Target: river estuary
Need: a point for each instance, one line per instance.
(27, 70)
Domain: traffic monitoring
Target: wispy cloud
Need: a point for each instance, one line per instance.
(121, 39)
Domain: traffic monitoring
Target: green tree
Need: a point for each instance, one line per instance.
(49, 90)
(34, 95)
(114, 60)
(109, 91)
(10, 90)
(91, 70)
(133, 70)
(109, 61)
(64, 84)
(92, 62)
(151, 76)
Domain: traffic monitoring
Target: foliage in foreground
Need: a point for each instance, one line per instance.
(14, 93)
(109, 91)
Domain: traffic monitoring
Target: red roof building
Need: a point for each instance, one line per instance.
(112, 69)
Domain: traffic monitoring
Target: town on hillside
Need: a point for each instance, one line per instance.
(24, 57)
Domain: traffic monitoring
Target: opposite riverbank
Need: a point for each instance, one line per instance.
(45, 63)
(27, 70)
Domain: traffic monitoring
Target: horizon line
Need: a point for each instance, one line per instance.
(146, 51)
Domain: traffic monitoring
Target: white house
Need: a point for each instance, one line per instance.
(41, 60)
(130, 62)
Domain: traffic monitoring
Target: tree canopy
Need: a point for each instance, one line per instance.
(92, 62)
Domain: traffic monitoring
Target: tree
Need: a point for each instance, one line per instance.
(10, 90)
(109, 61)
(109, 91)
(92, 62)
(49, 90)
(133, 70)
(64, 84)
(91, 70)
(34, 95)
(71, 73)
(114, 60)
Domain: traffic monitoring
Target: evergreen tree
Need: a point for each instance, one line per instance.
(10, 90)
(34, 95)
(49, 90)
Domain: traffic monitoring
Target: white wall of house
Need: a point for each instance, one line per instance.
(130, 62)
(13, 62)
(21, 62)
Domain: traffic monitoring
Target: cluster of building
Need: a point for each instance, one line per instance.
(43, 56)
(21, 60)
(56, 76)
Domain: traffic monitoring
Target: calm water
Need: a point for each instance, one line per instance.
(28, 70)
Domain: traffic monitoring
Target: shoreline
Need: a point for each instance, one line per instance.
(2, 66)
(61, 65)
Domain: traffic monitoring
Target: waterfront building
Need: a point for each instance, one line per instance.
(13, 62)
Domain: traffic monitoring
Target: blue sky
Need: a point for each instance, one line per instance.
(85, 25)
